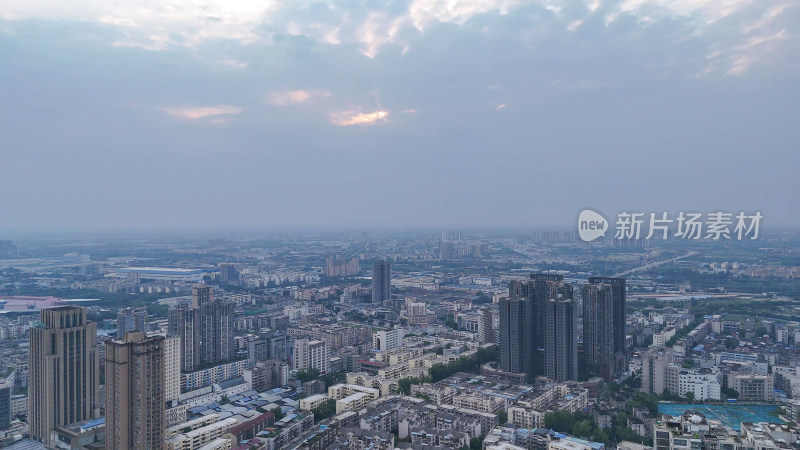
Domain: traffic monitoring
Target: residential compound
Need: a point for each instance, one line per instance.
(693, 430)
(660, 372)
(751, 376)
(539, 328)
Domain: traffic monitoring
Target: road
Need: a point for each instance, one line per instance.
(654, 264)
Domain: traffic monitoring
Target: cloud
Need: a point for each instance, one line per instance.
(284, 98)
(348, 118)
(748, 53)
(501, 106)
(201, 112)
(233, 63)
(722, 25)
(574, 25)
(627, 87)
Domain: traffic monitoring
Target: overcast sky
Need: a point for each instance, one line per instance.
(146, 114)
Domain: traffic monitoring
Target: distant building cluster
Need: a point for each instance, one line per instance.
(338, 267)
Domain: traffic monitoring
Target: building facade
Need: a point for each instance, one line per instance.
(616, 288)
(560, 329)
(64, 371)
(516, 332)
(385, 340)
(381, 281)
(131, 319)
(598, 330)
(310, 354)
(135, 392)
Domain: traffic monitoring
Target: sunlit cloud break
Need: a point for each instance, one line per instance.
(348, 118)
(284, 98)
(199, 112)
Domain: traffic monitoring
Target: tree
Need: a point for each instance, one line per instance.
(561, 420)
(730, 392)
(325, 410)
(690, 395)
(278, 413)
(404, 385)
(333, 378)
(476, 443)
(582, 429)
(731, 343)
(502, 417)
(450, 322)
(600, 436)
(481, 299)
(642, 400)
(308, 374)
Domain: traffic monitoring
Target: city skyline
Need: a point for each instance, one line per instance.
(414, 224)
(215, 342)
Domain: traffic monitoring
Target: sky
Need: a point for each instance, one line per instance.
(245, 114)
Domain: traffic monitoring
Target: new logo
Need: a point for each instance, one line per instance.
(591, 225)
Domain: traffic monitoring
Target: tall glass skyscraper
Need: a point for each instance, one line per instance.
(381, 281)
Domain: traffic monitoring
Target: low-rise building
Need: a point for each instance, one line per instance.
(313, 402)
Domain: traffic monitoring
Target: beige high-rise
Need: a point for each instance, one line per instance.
(63, 371)
(135, 392)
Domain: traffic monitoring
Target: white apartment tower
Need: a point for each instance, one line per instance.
(310, 354)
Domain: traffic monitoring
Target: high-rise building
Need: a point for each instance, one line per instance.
(257, 350)
(172, 368)
(544, 284)
(135, 392)
(5, 406)
(560, 334)
(448, 250)
(216, 340)
(522, 325)
(452, 236)
(205, 329)
(202, 294)
(310, 354)
(487, 326)
(267, 346)
(183, 322)
(598, 331)
(654, 370)
(131, 319)
(617, 292)
(7, 249)
(381, 281)
(228, 275)
(265, 375)
(516, 331)
(63, 371)
(338, 267)
(384, 340)
(278, 345)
